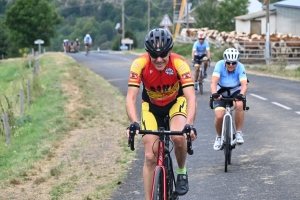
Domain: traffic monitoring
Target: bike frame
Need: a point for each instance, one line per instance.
(228, 112)
(164, 139)
(201, 75)
(160, 164)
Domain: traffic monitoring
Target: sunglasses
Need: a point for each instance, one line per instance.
(162, 55)
(233, 63)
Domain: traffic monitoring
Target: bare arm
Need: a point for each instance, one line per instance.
(193, 53)
(208, 53)
(244, 85)
(189, 93)
(214, 83)
(131, 97)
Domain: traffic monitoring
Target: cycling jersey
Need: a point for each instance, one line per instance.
(229, 79)
(201, 48)
(160, 87)
(87, 40)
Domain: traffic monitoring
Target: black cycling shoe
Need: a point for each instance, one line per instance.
(182, 184)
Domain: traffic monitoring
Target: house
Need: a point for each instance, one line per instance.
(288, 17)
(284, 17)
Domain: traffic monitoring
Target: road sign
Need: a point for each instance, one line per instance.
(39, 41)
(166, 21)
(127, 41)
(124, 47)
(167, 28)
(117, 26)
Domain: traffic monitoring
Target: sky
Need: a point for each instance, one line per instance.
(254, 6)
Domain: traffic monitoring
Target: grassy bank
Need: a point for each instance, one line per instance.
(66, 123)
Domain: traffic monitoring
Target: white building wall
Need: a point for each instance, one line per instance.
(272, 24)
(245, 26)
(242, 26)
(288, 20)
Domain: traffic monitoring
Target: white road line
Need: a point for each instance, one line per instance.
(298, 112)
(262, 98)
(280, 105)
(116, 79)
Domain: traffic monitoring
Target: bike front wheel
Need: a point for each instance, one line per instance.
(158, 185)
(227, 142)
(201, 82)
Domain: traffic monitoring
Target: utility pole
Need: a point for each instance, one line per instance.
(267, 43)
(268, 13)
(187, 14)
(123, 21)
(148, 16)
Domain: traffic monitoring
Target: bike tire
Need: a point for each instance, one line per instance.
(201, 88)
(227, 142)
(158, 188)
(201, 82)
(169, 177)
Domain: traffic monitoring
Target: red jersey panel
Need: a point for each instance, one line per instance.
(160, 87)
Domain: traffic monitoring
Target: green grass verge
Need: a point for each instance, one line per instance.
(43, 121)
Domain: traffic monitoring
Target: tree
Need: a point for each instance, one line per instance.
(227, 10)
(30, 20)
(206, 14)
(220, 15)
(3, 39)
(107, 28)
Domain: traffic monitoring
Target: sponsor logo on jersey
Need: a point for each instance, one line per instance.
(186, 75)
(169, 71)
(133, 75)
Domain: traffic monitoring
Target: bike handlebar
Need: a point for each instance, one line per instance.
(159, 132)
(228, 100)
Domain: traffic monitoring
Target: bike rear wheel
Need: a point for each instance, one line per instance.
(227, 142)
(158, 185)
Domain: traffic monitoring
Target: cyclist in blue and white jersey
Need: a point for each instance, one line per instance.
(200, 51)
(87, 42)
(229, 79)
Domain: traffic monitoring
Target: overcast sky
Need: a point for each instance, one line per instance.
(254, 6)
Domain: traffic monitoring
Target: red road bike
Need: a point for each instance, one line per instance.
(163, 184)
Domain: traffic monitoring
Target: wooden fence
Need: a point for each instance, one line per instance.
(5, 116)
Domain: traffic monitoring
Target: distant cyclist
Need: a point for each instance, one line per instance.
(200, 51)
(77, 45)
(65, 45)
(87, 42)
(229, 79)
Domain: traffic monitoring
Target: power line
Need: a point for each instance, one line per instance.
(68, 7)
(132, 20)
(159, 7)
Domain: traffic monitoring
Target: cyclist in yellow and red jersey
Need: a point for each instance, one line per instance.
(168, 89)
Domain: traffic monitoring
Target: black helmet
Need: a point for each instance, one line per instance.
(158, 41)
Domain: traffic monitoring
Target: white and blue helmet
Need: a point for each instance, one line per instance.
(231, 54)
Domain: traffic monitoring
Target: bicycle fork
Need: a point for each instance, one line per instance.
(232, 141)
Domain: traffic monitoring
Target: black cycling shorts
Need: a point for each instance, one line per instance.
(198, 59)
(222, 104)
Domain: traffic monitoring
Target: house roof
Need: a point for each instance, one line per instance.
(288, 3)
(254, 15)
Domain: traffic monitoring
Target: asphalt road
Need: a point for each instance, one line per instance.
(265, 167)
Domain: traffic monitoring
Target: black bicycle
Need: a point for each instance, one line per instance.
(163, 184)
(228, 141)
(201, 74)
